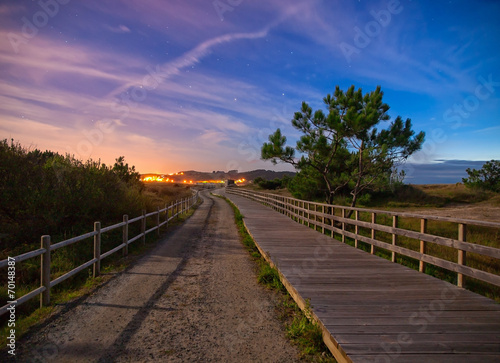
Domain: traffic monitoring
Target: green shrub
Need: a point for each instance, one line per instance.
(486, 178)
(271, 184)
(48, 193)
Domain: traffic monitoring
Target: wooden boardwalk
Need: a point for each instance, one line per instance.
(370, 309)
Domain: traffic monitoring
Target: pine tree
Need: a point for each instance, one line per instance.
(344, 148)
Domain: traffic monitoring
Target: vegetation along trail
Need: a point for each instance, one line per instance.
(193, 298)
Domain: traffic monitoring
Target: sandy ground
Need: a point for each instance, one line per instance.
(194, 298)
(479, 211)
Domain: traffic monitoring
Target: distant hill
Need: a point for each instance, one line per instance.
(221, 175)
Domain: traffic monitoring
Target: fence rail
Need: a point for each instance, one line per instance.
(322, 216)
(170, 211)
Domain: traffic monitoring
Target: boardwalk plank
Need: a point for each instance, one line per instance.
(371, 309)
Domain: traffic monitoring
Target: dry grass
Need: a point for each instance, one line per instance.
(165, 193)
(283, 192)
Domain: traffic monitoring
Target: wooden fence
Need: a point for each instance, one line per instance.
(322, 216)
(170, 211)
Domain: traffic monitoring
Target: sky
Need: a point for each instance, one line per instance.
(199, 85)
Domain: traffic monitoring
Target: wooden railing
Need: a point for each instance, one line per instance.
(322, 216)
(170, 211)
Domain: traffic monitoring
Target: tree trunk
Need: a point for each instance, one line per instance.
(353, 204)
(355, 192)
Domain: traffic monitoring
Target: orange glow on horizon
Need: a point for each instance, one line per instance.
(164, 179)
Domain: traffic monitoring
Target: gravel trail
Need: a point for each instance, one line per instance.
(194, 298)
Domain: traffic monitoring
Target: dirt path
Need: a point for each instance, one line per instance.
(194, 298)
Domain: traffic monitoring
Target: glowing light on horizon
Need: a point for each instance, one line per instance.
(162, 179)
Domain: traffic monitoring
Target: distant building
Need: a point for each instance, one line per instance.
(230, 182)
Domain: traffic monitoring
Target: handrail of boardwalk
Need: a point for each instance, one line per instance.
(171, 211)
(319, 215)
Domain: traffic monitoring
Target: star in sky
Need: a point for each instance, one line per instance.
(184, 85)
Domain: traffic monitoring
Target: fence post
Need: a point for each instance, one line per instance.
(308, 215)
(333, 222)
(45, 271)
(343, 226)
(315, 217)
(297, 210)
(305, 206)
(301, 217)
(394, 236)
(125, 235)
(323, 218)
(158, 221)
(462, 257)
(166, 215)
(423, 247)
(297, 205)
(97, 249)
(374, 220)
(356, 228)
(143, 227)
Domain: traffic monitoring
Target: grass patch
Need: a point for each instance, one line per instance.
(306, 334)
(301, 329)
(270, 277)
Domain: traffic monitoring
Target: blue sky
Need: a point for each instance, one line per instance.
(179, 85)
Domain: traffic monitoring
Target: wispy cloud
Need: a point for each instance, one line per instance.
(119, 29)
(192, 57)
(487, 129)
(226, 85)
